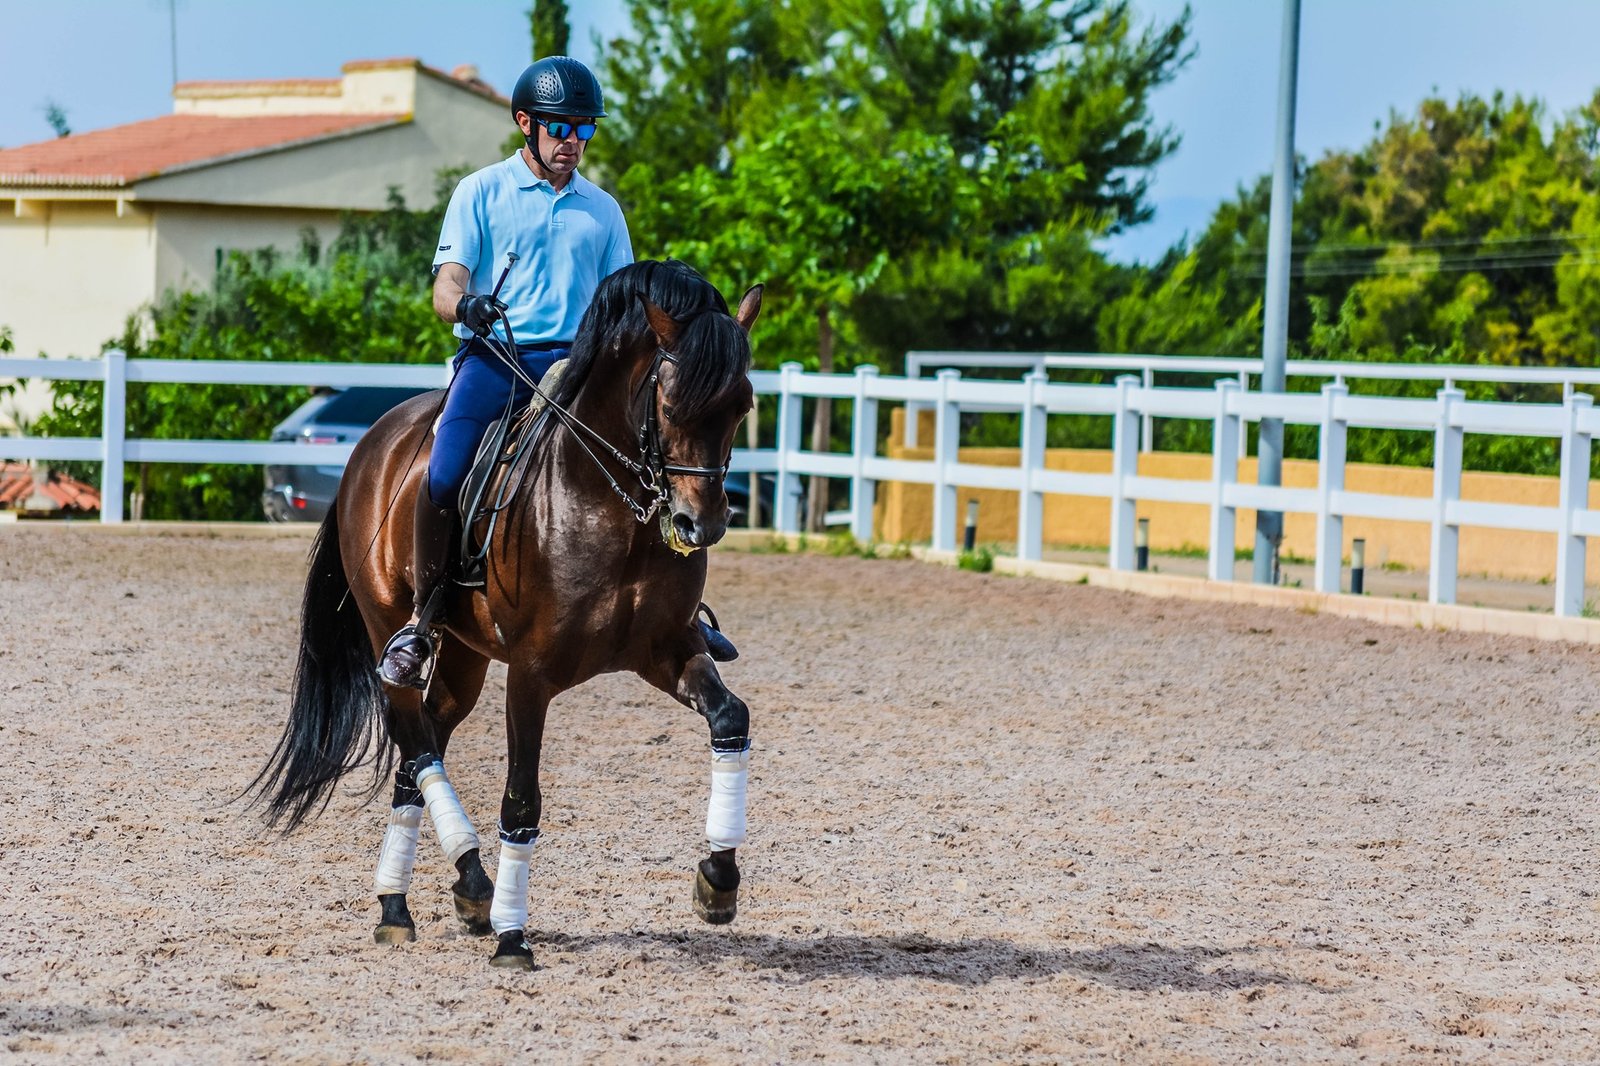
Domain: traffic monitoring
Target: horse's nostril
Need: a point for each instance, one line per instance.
(686, 529)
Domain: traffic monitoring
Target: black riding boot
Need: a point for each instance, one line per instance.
(406, 655)
(719, 647)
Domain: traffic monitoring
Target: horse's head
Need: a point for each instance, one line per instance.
(702, 392)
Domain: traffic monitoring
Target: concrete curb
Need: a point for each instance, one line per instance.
(1407, 613)
(211, 530)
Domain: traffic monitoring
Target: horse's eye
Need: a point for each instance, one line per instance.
(667, 410)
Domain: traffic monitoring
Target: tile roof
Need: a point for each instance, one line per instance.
(18, 482)
(121, 155)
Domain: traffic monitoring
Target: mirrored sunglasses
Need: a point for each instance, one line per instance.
(560, 129)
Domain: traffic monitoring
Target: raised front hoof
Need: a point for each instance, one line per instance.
(394, 934)
(474, 914)
(715, 906)
(513, 952)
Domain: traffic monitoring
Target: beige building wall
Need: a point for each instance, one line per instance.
(103, 264)
(189, 237)
(904, 512)
(116, 265)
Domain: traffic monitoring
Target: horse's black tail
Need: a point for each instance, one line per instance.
(336, 712)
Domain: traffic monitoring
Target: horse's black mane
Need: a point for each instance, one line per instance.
(713, 350)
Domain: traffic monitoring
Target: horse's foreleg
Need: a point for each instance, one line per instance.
(520, 810)
(459, 840)
(716, 883)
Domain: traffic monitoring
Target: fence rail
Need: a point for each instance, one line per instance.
(1241, 367)
(1129, 402)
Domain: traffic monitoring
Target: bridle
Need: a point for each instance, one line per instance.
(651, 469)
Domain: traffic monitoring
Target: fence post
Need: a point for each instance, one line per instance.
(1124, 465)
(1572, 548)
(113, 433)
(1444, 550)
(863, 445)
(752, 441)
(913, 409)
(946, 452)
(1330, 479)
(1030, 502)
(1244, 438)
(1225, 437)
(1147, 423)
(786, 502)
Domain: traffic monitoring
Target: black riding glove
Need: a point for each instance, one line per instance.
(478, 313)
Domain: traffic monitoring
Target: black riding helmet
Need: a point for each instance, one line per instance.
(558, 85)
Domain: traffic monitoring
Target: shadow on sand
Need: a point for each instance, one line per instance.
(1136, 967)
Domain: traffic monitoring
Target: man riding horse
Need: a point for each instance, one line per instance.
(565, 234)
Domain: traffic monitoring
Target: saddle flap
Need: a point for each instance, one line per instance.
(486, 480)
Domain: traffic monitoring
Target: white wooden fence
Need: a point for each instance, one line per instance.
(1448, 415)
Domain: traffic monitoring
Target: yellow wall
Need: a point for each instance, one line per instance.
(905, 512)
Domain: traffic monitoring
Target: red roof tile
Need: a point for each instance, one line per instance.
(18, 481)
(123, 154)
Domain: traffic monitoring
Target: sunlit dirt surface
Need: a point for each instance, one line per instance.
(992, 819)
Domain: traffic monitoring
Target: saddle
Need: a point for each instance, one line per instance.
(487, 491)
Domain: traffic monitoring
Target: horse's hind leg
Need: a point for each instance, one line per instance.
(397, 859)
(457, 682)
(697, 684)
(421, 729)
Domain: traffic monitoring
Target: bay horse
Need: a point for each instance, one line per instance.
(596, 565)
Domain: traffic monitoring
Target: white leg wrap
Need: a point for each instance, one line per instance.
(449, 819)
(399, 852)
(510, 907)
(725, 821)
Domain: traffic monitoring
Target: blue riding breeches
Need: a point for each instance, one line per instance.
(478, 395)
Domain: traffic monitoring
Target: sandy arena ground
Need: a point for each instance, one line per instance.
(993, 819)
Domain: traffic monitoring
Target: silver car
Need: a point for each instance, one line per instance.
(332, 416)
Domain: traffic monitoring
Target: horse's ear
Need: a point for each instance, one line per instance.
(749, 308)
(661, 324)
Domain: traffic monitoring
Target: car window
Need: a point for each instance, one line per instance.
(363, 406)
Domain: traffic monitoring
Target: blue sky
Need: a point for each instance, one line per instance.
(109, 61)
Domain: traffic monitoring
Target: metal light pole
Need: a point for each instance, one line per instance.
(1275, 313)
(172, 25)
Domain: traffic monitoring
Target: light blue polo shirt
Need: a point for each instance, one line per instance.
(565, 242)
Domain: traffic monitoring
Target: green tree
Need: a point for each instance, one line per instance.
(550, 28)
(1464, 232)
(56, 115)
(678, 87)
(1444, 234)
(1045, 106)
(815, 213)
